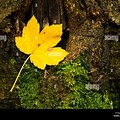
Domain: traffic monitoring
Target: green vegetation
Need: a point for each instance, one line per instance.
(63, 88)
(29, 87)
(76, 77)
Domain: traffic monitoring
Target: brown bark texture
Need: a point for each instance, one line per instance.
(86, 24)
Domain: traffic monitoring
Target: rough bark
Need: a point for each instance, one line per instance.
(9, 9)
(10, 12)
(49, 11)
(87, 21)
(8, 6)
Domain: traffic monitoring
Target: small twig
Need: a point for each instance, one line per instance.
(45, 74)
(19, 73)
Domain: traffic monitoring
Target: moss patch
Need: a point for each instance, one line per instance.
(63, 88)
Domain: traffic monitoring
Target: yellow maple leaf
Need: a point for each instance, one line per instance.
(29, 40)
(40, 45)
(44, 54)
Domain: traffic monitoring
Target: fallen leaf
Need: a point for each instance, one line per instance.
(40, 45)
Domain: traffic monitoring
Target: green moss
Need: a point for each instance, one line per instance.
(29, 87)
(76, 77)
(63, 88)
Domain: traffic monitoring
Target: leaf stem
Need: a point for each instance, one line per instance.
(19, 73)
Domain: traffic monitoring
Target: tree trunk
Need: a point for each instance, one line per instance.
(91, 27)
(88, 22)
(9, 12)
